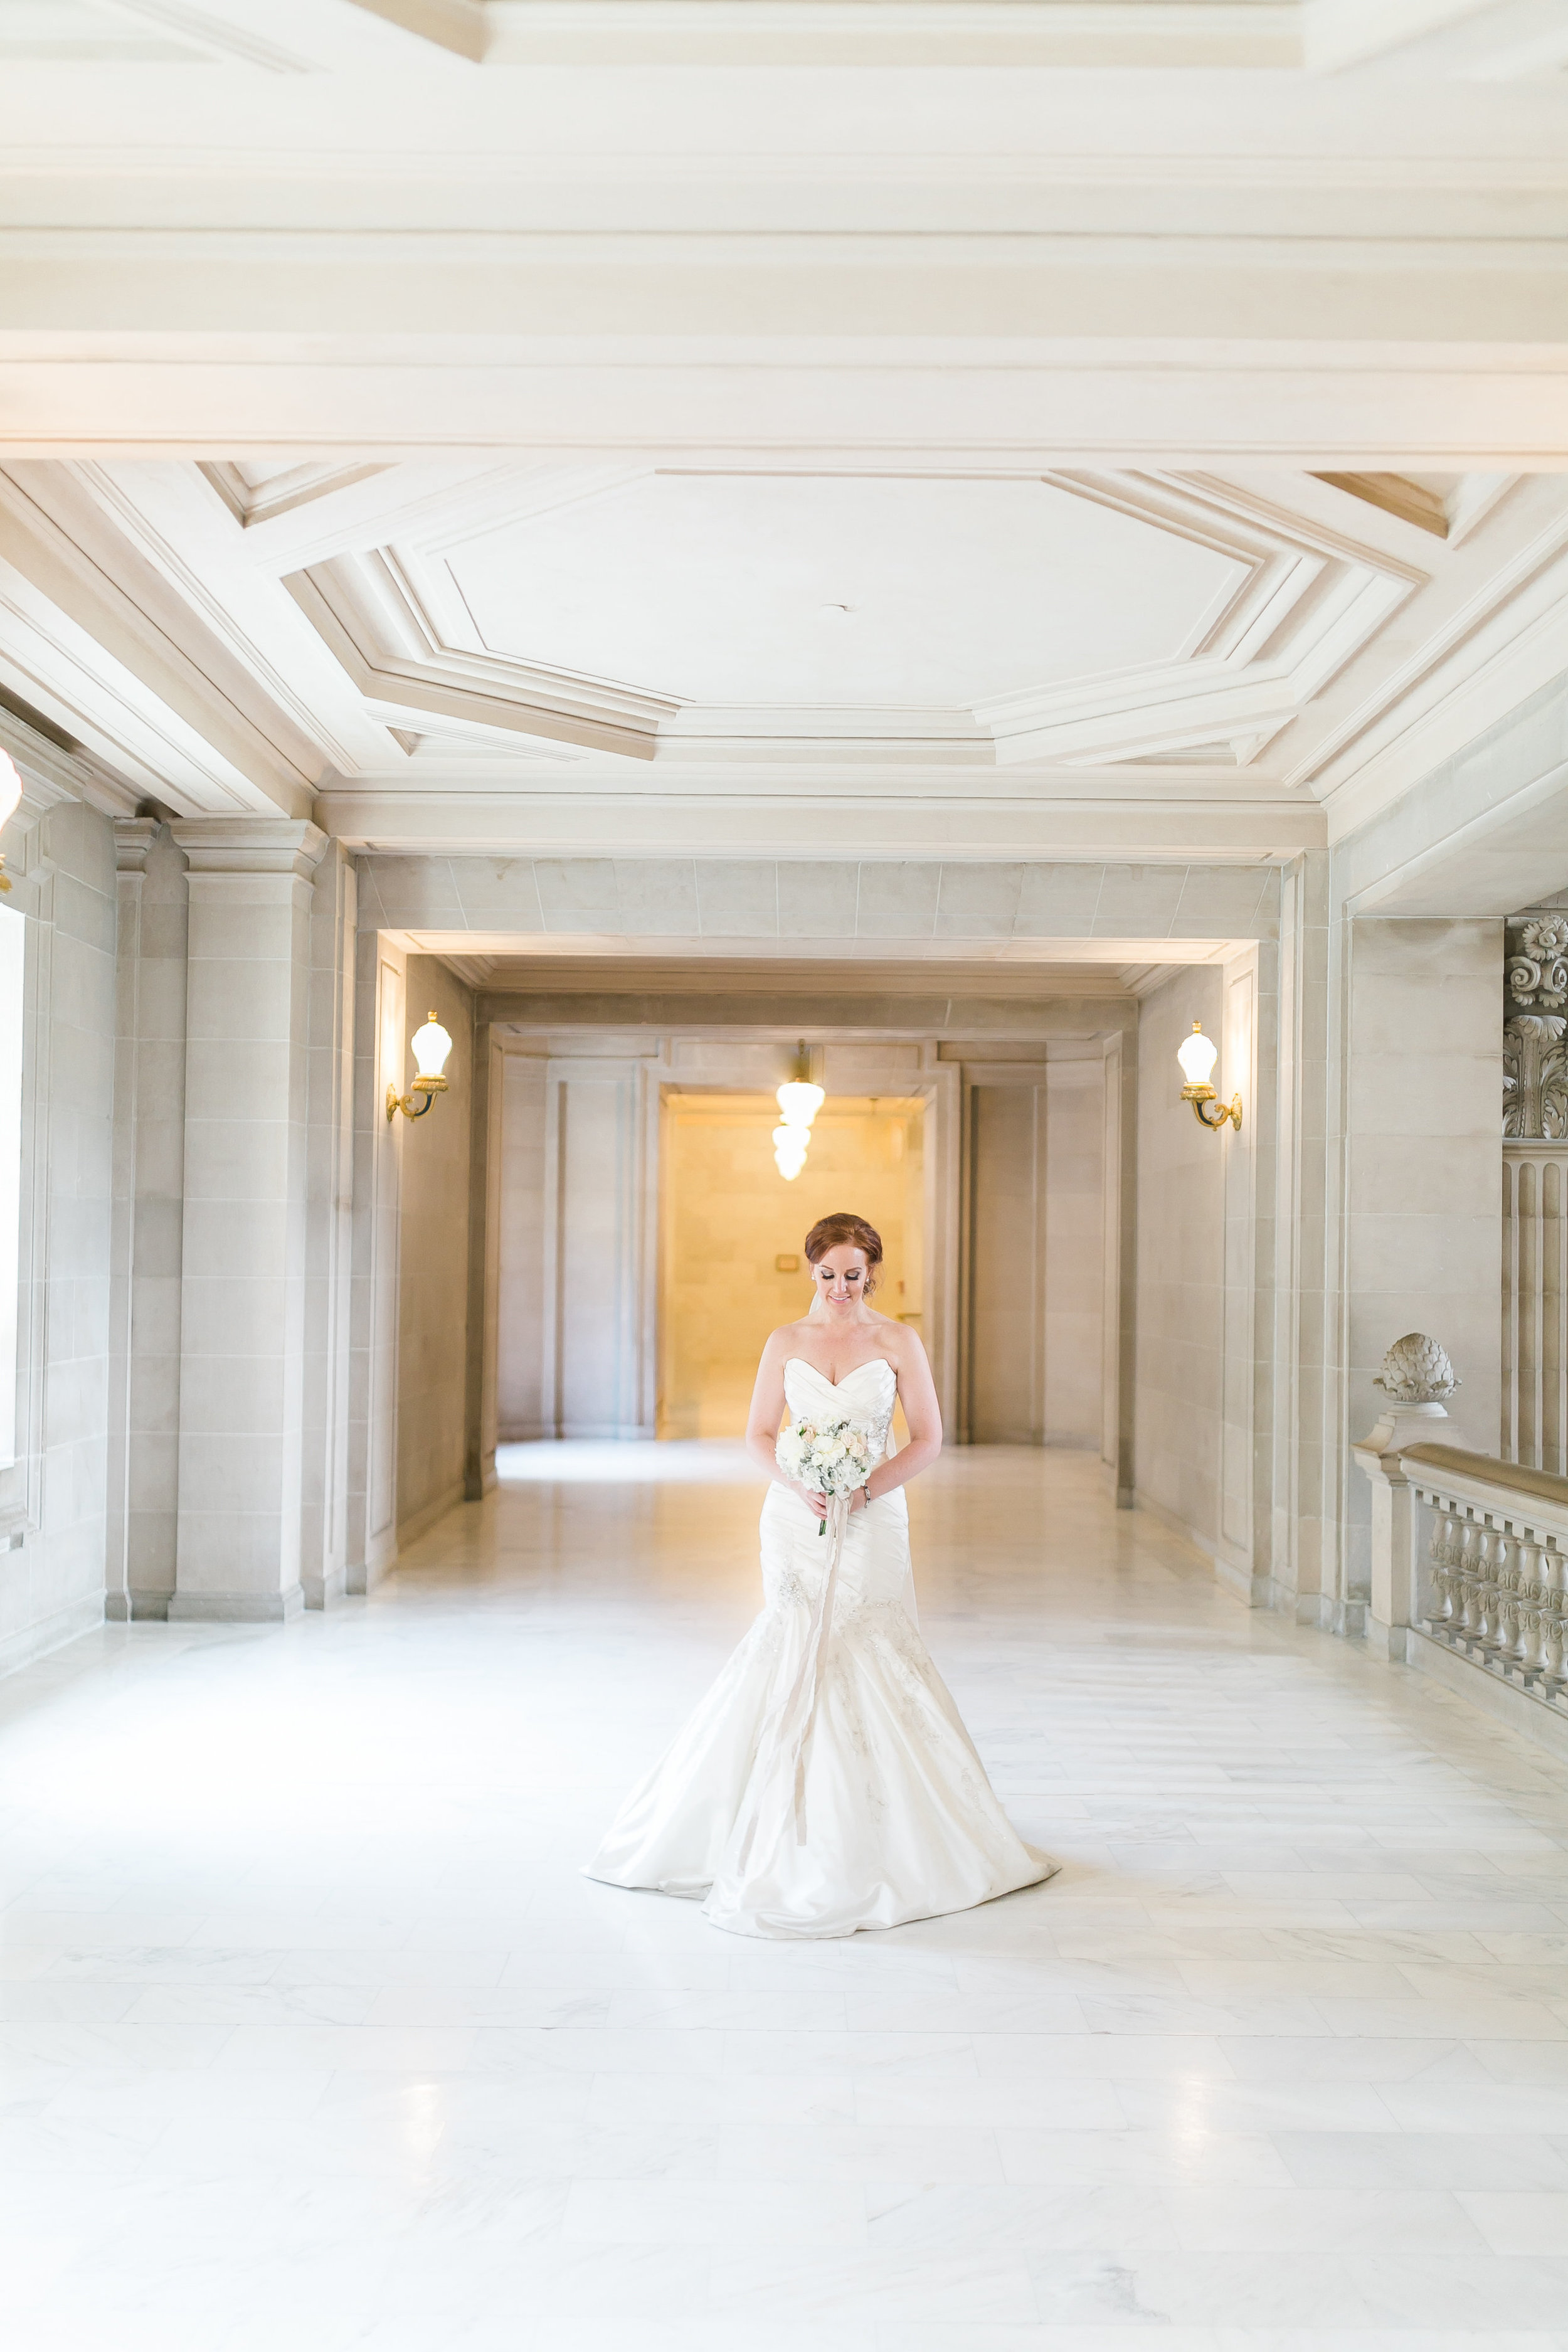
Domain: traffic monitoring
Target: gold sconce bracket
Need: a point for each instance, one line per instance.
(1215, 1122)
(429, 1088)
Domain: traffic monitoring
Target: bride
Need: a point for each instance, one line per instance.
(826, 1781)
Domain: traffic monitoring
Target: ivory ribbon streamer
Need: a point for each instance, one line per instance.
(790, 1729)
(808, 1681)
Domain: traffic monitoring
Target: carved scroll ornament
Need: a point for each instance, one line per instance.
(1535, 1057)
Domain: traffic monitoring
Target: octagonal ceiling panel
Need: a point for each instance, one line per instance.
(828, 590)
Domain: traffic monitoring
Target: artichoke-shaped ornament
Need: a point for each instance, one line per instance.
(1416, 1370)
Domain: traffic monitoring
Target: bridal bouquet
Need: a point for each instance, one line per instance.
(832, 1456)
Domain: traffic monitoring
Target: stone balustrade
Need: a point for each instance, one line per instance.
(1496, 1587)
(1488, 1565)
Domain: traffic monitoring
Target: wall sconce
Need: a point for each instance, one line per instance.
(799, 1102)
(1197, 1055)
(431, 1046)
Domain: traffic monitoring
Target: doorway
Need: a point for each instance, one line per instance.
(731, 1266)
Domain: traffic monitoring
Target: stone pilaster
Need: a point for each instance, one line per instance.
(145, 1235)
(244, 1223)
(1421, 1232)
(324, 1527)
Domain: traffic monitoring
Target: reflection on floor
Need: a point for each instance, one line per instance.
(643, 1462)
(312, 2037)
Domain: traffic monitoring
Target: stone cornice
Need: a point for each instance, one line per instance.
(51, 774)
(261, 846)
(133, 838)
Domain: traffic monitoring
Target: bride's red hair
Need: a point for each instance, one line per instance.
(831, 1233)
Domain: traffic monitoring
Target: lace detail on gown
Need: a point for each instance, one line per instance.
(879, 1811)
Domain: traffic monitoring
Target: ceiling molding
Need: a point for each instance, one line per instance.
(283, 493)
(375, 616)
(462, 28)
(1308, 600)
(894, 975)
(1128, 35)
(568, 824)
(218, 36)
(1540, 172)
(1396, 494)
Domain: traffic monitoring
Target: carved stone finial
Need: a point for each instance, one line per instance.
(1416, 1371)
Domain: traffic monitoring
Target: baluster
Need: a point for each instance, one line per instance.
(1531, 1616)
(1489, 1558)
(1469, 1580)
(1443, 1553)
(1524, 1555)
(1511, 1630)
(1554, 1594)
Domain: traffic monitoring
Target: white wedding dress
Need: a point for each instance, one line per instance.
(826, 1782)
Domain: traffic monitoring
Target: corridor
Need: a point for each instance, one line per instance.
(312, 2035)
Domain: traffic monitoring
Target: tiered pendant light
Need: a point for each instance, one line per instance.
(799, 1102)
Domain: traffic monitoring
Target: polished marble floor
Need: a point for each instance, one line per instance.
(312, 2037)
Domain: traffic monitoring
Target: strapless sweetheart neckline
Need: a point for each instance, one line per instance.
(848, 1376)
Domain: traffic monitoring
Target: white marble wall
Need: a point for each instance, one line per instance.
(1181, 1265)
(1075, 1333)
(1206, 1252)
(433, 1277)
(1421, 1213)
(53, 1498)
(481, 1417)
(1035, 1319)
(520, 1338)
(381, 1059)
(776, 898)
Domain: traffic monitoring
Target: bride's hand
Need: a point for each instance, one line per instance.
(817, 1501)
(859, 1499)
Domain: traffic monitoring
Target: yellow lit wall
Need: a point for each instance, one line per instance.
(728, 1215)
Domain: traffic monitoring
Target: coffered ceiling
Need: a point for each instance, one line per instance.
(1045, 429)
(500, 655)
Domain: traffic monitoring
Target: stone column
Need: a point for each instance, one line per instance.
(328, 1237)
(146, 1231)
(243, 1284)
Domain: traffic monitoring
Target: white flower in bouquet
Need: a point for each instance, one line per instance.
(834, 1458)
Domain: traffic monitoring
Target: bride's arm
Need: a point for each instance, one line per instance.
(767, 1413)
(917, 1393)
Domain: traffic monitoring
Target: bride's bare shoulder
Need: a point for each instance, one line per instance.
(787, 1336)
(902, 1343)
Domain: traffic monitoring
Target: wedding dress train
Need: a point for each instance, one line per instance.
(826, 1782)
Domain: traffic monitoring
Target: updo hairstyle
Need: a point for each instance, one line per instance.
(843, 1226)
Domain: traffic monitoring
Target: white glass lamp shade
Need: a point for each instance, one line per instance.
(431, 1046)
(10, 788)
(800, 1101)
(790, 1146)
(1197, 1055)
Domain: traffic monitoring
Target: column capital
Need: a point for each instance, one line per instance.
(240, 845)
(132, 840)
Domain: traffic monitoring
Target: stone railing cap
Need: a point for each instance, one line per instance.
(1485, 1470)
